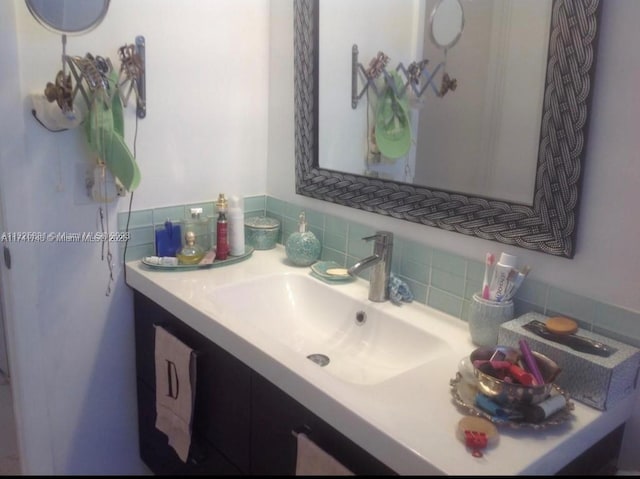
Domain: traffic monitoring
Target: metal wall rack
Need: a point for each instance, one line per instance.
(416, 76)
(90, 75)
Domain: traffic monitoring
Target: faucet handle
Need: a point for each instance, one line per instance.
(384, 237)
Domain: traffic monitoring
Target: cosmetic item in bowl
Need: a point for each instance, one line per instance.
(489, 364)
(262, 232)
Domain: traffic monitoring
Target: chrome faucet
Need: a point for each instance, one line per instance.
(381, 263)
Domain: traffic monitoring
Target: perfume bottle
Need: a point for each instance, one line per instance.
(191, 252)
(302, 247)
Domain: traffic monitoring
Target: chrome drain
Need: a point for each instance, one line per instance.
(319, 359)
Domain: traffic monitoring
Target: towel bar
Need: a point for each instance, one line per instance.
(301, 430)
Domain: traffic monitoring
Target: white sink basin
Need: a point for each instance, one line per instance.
(311, 318)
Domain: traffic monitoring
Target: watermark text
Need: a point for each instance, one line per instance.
(63, 237)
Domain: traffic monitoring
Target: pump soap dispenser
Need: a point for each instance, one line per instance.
(302, 247)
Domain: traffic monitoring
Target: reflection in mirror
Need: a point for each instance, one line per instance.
(447, 22)
(546, 223)
(71, 17)
(482, 139)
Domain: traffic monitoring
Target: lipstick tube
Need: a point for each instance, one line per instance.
(530, 361)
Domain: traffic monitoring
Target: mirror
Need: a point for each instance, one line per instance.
(447, 22)
(480, 139)
(548, 224)
(70, 17)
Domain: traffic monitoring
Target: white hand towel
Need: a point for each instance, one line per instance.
(175, 390)
(313, 461)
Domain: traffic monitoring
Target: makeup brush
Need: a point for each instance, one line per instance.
(489, 261)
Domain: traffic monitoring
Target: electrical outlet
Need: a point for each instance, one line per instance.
(103, 189)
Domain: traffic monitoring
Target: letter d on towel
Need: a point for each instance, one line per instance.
(173, 383)
(175, 365)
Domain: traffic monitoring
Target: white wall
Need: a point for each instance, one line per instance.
(606, 264)
(205, 132)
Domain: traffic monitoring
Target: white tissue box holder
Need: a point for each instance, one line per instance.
(593, 380)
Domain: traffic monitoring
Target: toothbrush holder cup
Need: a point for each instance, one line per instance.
(485, 318)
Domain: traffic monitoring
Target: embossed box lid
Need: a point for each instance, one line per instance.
(262, 223)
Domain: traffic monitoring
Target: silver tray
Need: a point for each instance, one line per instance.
(463, 394)
(216, 263)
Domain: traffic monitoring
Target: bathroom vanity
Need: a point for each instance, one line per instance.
(256, 389)
(243, 422)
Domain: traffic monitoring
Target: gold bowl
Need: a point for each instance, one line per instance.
(509, 393)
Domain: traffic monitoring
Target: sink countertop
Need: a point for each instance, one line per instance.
(409, 421)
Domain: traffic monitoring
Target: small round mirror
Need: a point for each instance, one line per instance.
(70, 17)
(447, 22)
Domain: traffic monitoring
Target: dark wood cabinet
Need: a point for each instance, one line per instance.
(161, 458)
(276, 418)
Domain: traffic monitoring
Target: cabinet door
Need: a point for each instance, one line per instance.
(221, 410)
(276, 417)
(161, 458)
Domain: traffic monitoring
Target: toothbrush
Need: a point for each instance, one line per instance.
(489, 261)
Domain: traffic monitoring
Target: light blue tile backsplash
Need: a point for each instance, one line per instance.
(438, 278)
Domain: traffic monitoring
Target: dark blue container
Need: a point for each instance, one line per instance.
(168, 239)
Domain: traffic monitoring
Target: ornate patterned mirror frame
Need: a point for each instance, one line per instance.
(549, 225)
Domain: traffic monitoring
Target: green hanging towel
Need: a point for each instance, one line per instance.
(393, 127)
(104, 130)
